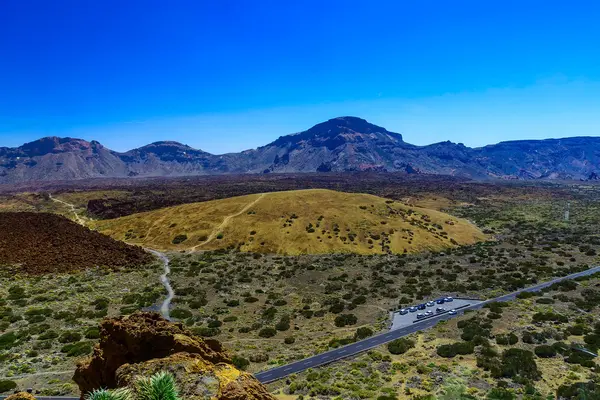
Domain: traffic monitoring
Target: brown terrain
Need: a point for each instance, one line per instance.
(47, 243)
(145, 343)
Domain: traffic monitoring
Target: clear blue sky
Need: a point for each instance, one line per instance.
(230, 75)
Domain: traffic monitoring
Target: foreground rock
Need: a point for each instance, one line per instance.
(144, 343)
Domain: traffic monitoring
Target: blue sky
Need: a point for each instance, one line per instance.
(230, 75)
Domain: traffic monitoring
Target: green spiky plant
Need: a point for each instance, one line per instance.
(160, 386)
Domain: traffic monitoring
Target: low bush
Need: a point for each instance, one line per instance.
(507, 339)
(267, 332)
(545, 351)
(7, 385)
(400, 346)
(77, 349)
(240, 362)
(451, 350)
(345, 319)
(69, 337)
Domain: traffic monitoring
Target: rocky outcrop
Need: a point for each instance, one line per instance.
(145, 343)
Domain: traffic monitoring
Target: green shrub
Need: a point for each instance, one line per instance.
(363, 333)
(519, 363)
(77, 349)
(545, 351)
(180, 313)
(49, 334)
(400, 346)
(240, 362)
(507, 339)
(6, 385)
(8, 340)
(92, 333)
(198, 303)
(267, 332)
(579, 391)
(345, 319)
(69, 337)
(205, 331)
(550, 316)
(179, 239)
(451, 350)
(289, 340)
(283, 324)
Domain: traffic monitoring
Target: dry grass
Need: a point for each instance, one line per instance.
(280, 222)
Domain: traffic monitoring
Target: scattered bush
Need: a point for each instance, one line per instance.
(6, 385)
(400, 346)
(69, 337)
(345, 319)
(507, 339)
(545, 351)
(77, 349)
(179, 239)
(267, 332)
(240, 362)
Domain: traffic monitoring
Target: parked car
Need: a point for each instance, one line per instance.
(421, 306)
(452, 312)
(412, 309)
(403, 311)
(440, 301)
(440, 309)
(430, 303)
(448, 299)
(420, 315)
(429, 312)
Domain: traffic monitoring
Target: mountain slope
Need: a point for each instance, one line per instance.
(339, 145)
(295, 222)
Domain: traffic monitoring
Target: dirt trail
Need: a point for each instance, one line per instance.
(164, 278)
(226, 220)
(79, 220)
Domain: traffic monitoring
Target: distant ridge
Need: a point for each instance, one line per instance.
(341, 144)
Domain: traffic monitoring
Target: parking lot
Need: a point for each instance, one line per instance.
(399, 320)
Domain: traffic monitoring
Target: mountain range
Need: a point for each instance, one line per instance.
(338, 145)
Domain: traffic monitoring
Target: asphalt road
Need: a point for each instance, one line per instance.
(375, 341)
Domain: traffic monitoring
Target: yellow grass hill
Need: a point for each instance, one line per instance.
(295, 222)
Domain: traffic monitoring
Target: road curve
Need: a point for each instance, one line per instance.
(375, 341)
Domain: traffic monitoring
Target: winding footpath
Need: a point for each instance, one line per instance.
(226, 220)
(164, 278)
(71, 206)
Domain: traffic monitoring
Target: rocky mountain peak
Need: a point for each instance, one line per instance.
(53, 144)
(338, 131)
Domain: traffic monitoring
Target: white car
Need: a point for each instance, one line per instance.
(412, 309)
(448, 299)
(430, 303)
(452, 312)
(429, 312)
(440, 310)
(403, 311)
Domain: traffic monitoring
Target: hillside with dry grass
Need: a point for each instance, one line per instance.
(296, 222)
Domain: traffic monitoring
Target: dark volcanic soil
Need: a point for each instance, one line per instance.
(47, 243)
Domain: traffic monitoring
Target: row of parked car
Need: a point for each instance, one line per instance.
(424, 306)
